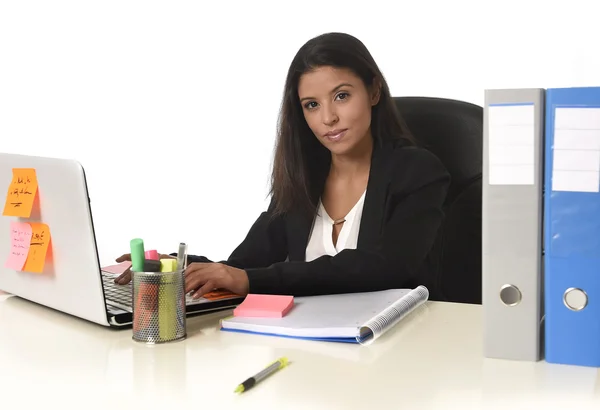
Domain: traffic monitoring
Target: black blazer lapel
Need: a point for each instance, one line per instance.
(299, 225)
(376, 196)
(298, 229)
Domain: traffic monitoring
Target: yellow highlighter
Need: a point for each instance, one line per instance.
(263, 374)
(167, 309)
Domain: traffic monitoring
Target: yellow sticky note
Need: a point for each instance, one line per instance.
(21, 193)
(40, 240)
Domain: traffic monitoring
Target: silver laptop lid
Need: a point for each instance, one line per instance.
(70, 281)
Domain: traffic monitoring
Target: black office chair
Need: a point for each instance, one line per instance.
(453, 131)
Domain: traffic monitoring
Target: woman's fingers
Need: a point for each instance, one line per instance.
(201, 275)
(207, 287)
(124, 278)
(194, 282)
(123, 258)
(194, 276)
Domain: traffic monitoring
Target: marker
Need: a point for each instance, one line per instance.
(145, 306)
(181, 256)
(168, 265)
(152, 254)
(137, 255)
(263, 374)
(151, 265)
(167, 308)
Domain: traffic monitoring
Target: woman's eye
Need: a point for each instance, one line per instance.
(342, 96)
(310, 105)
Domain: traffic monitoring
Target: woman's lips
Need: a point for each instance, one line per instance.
(335, 135)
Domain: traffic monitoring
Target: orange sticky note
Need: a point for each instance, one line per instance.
(264, 306)
(40, 239)
(20, 239)
(219, 294)
(21, 193)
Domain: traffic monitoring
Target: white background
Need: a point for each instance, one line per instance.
(171, 106)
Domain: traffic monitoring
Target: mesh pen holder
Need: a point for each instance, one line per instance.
(158, 307)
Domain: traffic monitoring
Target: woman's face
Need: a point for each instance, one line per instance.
(337, 107)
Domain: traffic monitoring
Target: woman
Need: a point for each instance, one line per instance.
(355, 206)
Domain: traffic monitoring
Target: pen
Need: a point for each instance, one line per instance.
(263, 374)
(181, 256)
(181, 265)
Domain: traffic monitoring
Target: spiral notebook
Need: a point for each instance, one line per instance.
(350, 318)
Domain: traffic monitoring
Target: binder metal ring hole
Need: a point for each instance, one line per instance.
(510, 295)
(575, 299)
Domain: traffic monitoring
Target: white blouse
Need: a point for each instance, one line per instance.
(321, 241)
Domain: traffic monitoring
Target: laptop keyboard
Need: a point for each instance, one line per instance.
(121, 295)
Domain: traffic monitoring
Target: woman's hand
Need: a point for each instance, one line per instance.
(125, 277)
(201, 278)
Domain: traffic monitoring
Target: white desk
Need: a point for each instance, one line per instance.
(431, 361)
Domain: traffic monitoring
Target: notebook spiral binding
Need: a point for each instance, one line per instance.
(382, 322)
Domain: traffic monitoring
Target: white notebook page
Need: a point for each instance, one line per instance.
(322, 316)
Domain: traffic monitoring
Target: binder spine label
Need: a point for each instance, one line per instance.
(575, 182)
(511, 144)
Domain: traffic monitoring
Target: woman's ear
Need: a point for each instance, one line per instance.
(375, 91)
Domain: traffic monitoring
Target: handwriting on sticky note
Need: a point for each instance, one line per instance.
(20, 242)
(276, 306)
(21, 193)
(38, 248)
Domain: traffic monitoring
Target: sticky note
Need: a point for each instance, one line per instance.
(20, 241)
(38, 247)
(118, 268)
(264, 306)
(219, 294)
(21, 193)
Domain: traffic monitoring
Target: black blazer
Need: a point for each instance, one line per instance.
(401, 215)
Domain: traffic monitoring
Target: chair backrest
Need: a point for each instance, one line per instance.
(453, 131)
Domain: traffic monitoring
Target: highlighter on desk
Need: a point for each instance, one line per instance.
(167, 309)
(260, 376)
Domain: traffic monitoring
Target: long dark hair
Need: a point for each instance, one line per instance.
(301, 162)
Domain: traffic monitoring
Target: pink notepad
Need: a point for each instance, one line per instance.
(264, 306)
(118, 268)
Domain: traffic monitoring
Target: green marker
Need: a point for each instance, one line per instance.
(137, 255)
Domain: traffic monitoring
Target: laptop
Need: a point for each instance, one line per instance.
(72, 280)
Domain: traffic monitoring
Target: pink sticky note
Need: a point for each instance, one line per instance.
(264, 306)
(20, 240)
(118, 268)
